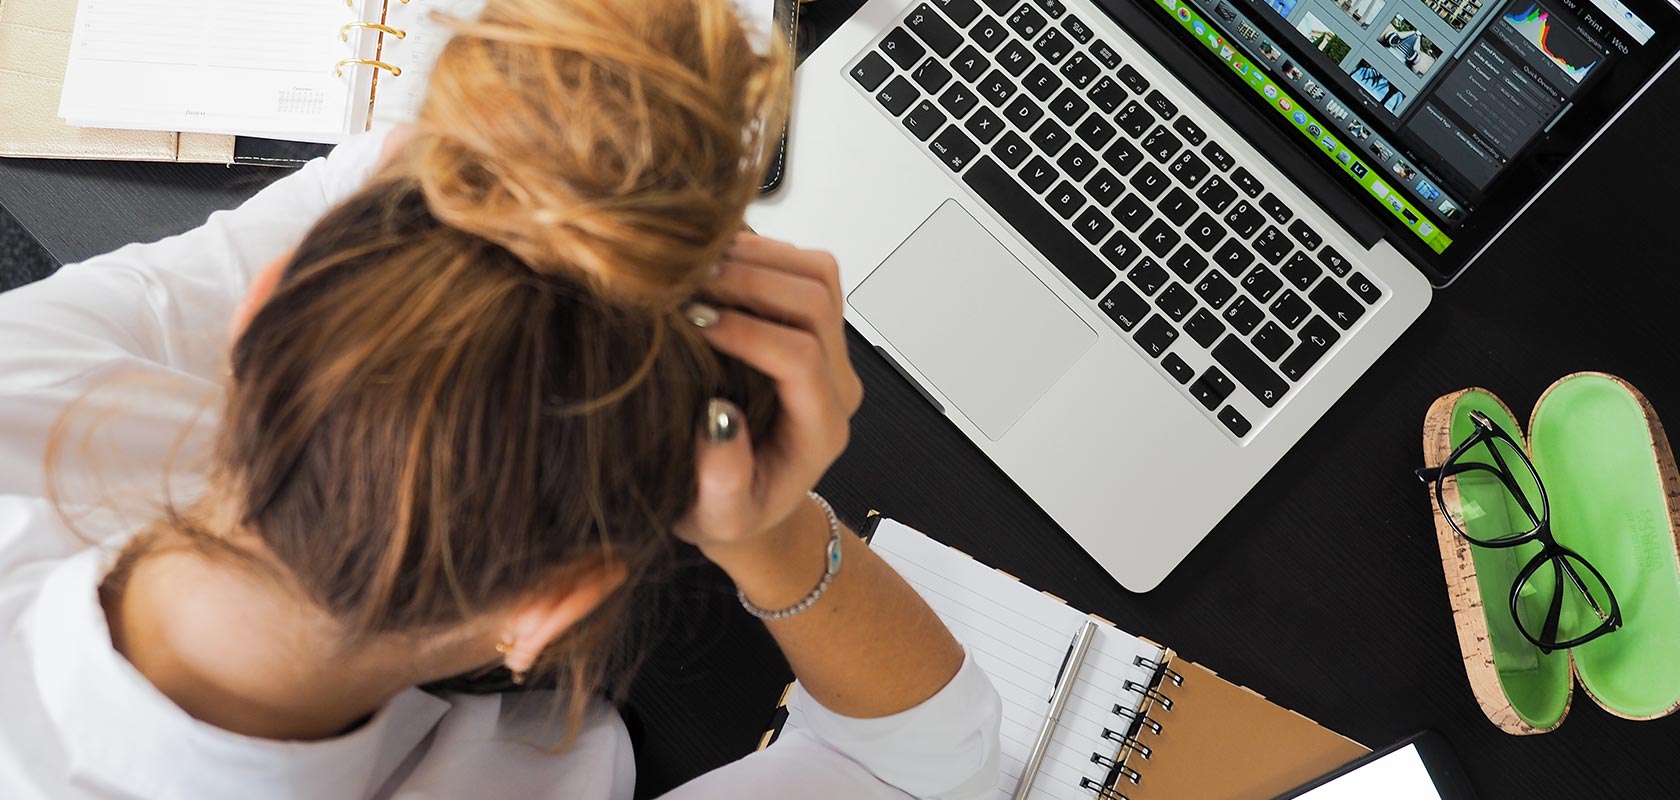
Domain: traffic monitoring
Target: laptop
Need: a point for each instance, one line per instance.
(1134, 249)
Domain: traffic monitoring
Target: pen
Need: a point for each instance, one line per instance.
(1058, 699)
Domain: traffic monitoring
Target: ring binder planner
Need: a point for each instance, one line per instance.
(344, 33)
(338, 69)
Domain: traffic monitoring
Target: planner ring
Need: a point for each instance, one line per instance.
(1117, 766)
(338, 69)
(1126, 740)
(1103, 792)
(1177, 679)
(344, 32)
(1137, 718)
(1149, 692)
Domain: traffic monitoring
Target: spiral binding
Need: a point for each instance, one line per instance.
(1137, 718)
(1128, 740)
(1150, 692)
(1102, 792)
(1161, 669)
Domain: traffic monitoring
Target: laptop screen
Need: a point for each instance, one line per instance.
(1445, 116)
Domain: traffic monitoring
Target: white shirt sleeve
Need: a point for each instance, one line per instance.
(947, 748)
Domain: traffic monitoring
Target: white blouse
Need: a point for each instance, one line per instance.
(137, 340)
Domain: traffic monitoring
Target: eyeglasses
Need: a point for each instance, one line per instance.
(1558, 599)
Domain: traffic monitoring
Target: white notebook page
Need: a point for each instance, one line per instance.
(1019, 637)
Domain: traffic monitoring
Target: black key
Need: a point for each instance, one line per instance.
(1316, 338)
(961, 12)
(1272, 340)
(1123, 156)
(1011, 150)
(1133, 79)
(1233, 257)
(1176, 302)
(872, 71)
(1362, 286)
(1065, 200)
(1275, 208)
(1015, 58)
(925, 120)
(1081, 70)
(1187, 263)
(1246, 181)
(898, 96)
(1272, 245)
(1125, 306)
(902, 48)
(1105, 54)
(1262, 283)
(1054, 46)
(1290, 309)
(1216, 194)
(1039, 227)
(1212, 388)
(1191, 132)
(1235, 422)
(1337, 304)
(1027, 21)
(1243, 315)
(1095, 131)
(989, 33)
(997, 88)
(1204, 327)
(1148, 276)
(1077, 28)
(1133, 212)
(1244, 219)
(970, 63)
(1215, 289)
(1038, 174)
(1077, 162)
(1022, 113)
(1161, 104)
(933, 29)
(1160, 238)
(1250, 371)
(1176, 367)
(1161, 144)
(1149, 182)
(1334, 262)
(1189, 168)
(1304, 234)
(1301, 271)
(1205, 231)
(1134, 119)
(1069, 107)
(1041, 82)
(1156, 335)
(1120, 251)
(1107, 94)
(1177, 206)
(1104, 188)
(984, 125)
(931, 75)
(1001, 6)
(1050, 137)
(1055, 8)
(1216, 155)
(1093, 225)
(954, 148)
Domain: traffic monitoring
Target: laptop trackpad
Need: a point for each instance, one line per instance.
(973, 319)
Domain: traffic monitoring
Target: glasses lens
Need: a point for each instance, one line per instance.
(1498, 495)
(1563, 601)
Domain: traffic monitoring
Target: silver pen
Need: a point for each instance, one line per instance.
(1058, 699)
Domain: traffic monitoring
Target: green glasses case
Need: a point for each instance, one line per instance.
(1614, 495)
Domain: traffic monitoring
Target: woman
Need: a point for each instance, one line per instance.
(450, 427)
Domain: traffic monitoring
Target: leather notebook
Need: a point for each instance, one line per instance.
(1139, 722)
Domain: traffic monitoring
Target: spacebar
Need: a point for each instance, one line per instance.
(1038, 226)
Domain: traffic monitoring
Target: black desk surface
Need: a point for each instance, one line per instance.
(1322, 590)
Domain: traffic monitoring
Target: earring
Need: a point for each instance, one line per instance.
(506, 648)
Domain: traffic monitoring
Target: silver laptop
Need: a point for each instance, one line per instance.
(1134, 249)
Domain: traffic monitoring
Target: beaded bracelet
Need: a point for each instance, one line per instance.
(831, 559)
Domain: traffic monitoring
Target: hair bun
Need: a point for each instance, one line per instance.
(616, 141)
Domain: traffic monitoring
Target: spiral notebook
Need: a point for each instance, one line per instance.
(1140, 722)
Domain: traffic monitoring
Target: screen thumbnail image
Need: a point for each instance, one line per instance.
(1359, 131)
(1283, 7)
(1314, 91)
(1290, 71)
(1363, 12)
(1456, 13)
(1377, 85)
(1405, 42)
(1572, 55)
(1323, 37)
(1336, 110)
(1269, 51)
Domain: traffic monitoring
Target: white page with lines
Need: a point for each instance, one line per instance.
(1019, 637)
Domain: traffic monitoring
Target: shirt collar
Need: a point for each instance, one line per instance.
(120, 733)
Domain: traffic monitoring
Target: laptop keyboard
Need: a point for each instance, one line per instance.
(1202, 268)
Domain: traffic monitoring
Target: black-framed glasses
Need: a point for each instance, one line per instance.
(1558, 599)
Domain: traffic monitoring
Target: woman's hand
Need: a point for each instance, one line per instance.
(792, 330)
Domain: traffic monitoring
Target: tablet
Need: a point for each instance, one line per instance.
(1419, 768)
